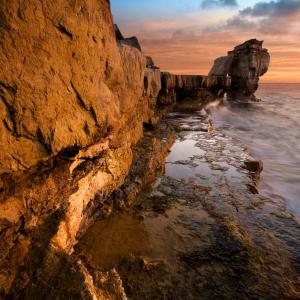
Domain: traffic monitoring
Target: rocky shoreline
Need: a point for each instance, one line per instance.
(201, 230)
(84, 129)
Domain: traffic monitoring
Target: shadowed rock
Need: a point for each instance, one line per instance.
(118, 33)
(254, 166)
(150, 63)
(131, 41)
(221, 66)
(178, 87)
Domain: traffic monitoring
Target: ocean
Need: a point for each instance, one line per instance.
(270, 129)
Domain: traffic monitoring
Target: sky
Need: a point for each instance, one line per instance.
(185, 36)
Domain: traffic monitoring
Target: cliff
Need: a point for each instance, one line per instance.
(178, 87)
(76, 97)
(65, 83)
(72, 105)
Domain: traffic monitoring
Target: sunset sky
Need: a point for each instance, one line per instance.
(185, 36)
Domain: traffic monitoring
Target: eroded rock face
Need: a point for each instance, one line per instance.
(245, 64)
(73, 102)
(62, 80)
(178, 87)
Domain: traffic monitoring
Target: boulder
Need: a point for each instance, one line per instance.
(254, 166)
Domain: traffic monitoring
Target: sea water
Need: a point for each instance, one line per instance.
(271, 131)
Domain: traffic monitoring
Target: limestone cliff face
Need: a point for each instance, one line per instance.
(73, 102)
(245, 64)
(64, 81)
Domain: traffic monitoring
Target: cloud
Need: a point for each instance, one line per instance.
(186, 53)
(221, 3)
(272, 8)
(183, 34)
(283, 13)
(236, 22)
(283, 26)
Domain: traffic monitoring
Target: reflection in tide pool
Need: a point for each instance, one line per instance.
(184, 150)
(271, 130)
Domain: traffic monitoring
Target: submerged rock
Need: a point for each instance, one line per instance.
(197, 232)
(254, 166)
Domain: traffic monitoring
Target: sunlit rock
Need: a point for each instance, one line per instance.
(245, 64)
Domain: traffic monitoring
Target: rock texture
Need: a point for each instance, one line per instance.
(245, 64)
(178, 87)
(63, 84)
(73, 102)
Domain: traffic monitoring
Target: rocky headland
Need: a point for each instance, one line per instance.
(87, 122)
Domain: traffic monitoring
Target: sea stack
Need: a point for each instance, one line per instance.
(244, 64)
